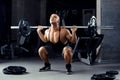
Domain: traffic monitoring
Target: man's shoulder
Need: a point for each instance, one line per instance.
(62, 27)
(47, 30)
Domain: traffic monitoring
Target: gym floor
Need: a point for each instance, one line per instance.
(80, 70)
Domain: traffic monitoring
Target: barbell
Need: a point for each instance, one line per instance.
(25, 28)
(98, 27)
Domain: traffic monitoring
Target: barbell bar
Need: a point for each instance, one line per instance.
(34, 27)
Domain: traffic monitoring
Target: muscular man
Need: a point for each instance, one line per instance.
(56, 38)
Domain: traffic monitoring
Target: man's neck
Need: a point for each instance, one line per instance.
(55, 27)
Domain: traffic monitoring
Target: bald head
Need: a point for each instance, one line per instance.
(54, 18)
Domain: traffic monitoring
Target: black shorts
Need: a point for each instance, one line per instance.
(53, 49)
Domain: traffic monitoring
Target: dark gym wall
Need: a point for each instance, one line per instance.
(110, 11)
(28, 9)
(5, 21)
(72, 9)
(38, 11)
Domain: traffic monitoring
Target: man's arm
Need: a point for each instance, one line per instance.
(42, 36)
(72, 37)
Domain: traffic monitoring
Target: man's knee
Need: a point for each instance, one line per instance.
(67, 51)
(42, 50)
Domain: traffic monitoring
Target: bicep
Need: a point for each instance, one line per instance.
(68, 35)
(45, 35)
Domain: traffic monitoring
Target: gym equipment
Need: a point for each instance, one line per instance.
(14, 70)
(34, 27)
(92, 26)
(109, 75)
(24, 32)
(7, 51)
(24, 27)
(86, 46)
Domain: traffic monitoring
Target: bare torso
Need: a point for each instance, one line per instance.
(57, 35)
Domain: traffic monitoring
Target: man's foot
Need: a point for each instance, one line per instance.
(69, 72)
(47, 67)
(68, 67)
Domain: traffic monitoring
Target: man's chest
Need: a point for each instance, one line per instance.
(56, 35)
